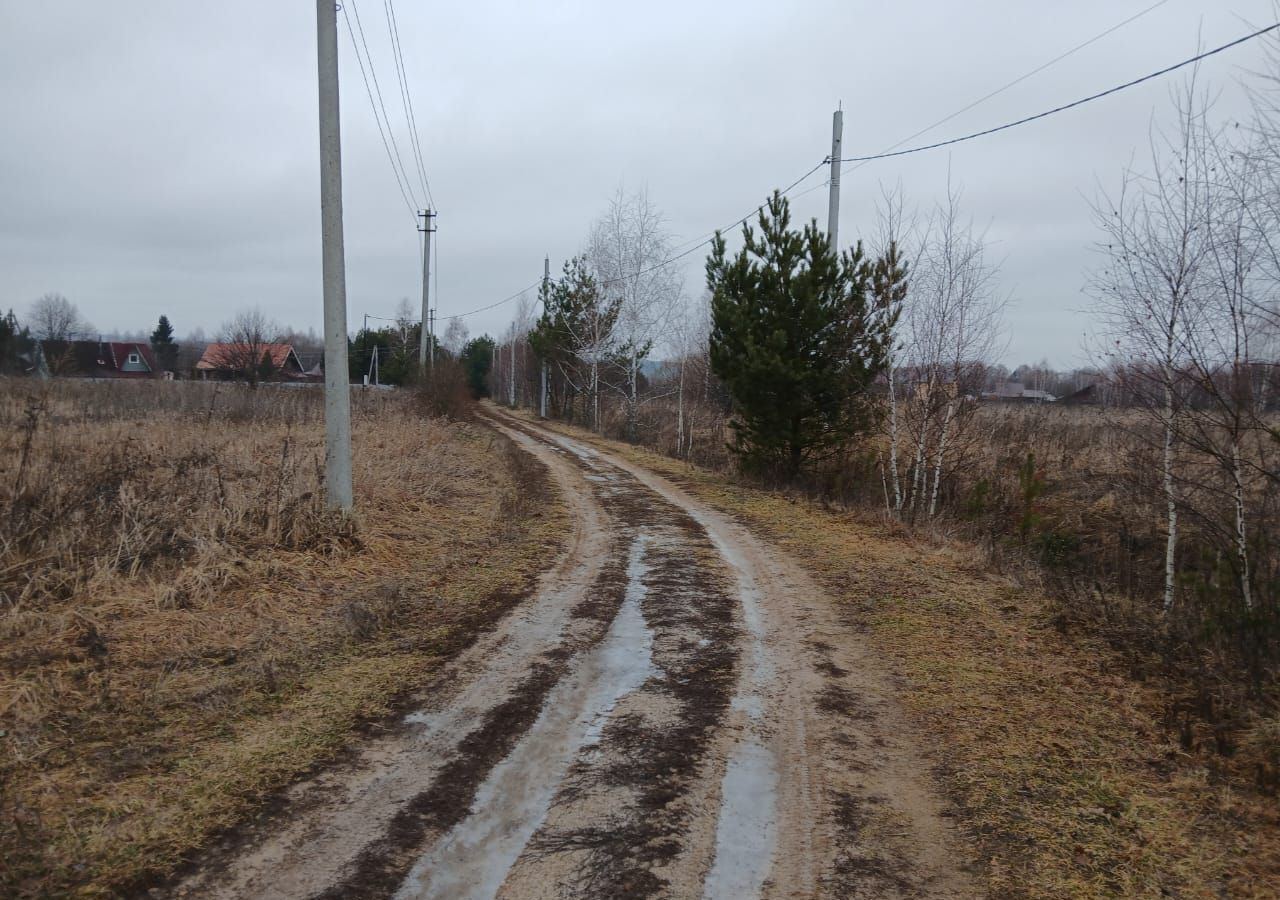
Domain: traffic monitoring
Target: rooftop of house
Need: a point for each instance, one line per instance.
(101, 359)
(230, 355)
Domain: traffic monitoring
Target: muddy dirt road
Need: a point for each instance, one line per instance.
(676, 712)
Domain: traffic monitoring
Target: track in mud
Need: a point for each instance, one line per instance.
(656, 721)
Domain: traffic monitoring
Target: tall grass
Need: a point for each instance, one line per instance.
(173, 594)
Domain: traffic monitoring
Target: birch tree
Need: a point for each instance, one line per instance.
(953, 325)
(628, 247)
(889, 290)
(575, 332)
(1154, 253)
(1229, 327)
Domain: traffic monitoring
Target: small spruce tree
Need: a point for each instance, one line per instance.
(266, 369)
(164, 346)
(477, 359)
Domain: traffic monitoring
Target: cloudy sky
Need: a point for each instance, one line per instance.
(162, 157)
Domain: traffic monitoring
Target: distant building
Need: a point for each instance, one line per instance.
(229, 361)
(1086, 396)
(97, 359)
(1017, 392)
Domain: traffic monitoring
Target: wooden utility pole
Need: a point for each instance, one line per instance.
(337, 381)
(833, 199)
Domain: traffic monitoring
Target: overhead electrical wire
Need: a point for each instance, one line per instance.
(1004, 87)
(404, 193)
(1066, 106)
(406, 98)
(968, 137)
(658, 265)
(377, 88)
(504, 300)
(1021, 78)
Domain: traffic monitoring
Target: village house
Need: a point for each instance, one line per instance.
(230, 361)
(96, 359)
(1017, 392)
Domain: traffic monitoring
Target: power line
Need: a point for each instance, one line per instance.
(507, 299)
(666, 262)
(1067, 106)
(406, 98)
(703, 241)
(1021, 78)
(1000, 90)
(377, 88)
(409, 205)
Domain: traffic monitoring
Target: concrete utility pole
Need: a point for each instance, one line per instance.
(337, 382)
(546, 290)
(513, 365)
(833, 202)
(426, 341)
(431, 333)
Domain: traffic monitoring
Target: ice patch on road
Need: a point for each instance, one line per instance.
(746, 830)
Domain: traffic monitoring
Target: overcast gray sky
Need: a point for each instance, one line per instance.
(161, 157)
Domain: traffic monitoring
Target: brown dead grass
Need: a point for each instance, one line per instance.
(184, 638)
(1056, 763)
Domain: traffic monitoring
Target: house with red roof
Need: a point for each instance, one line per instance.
(98, 359)
(233, 360)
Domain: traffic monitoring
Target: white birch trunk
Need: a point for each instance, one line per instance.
(884, 483)
(1242, 537)
(937, 465)
(917, 469)
(595, 396)
(893, 443)
(1171, 501)
(680, 411)
(633, 400)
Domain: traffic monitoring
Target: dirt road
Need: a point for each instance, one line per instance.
(676, 712)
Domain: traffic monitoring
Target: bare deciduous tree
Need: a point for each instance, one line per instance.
(245, 342)
(627, 249)
(55, 318)
(1154, 251)
(951, 332)
(456, 336)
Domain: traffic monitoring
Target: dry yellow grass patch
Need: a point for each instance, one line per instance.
(1056, 763)
(183, 631)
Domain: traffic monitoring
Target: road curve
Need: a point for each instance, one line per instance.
(677, 712)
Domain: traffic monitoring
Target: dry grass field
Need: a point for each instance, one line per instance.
(184, 630)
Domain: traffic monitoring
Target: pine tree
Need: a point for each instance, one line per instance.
(164, 346)
(798, 341)
(14, 340)
(477, 359)
(575, 332)
(265, 371)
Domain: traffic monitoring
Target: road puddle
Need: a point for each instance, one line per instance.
(746, 829)
(473, 859)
